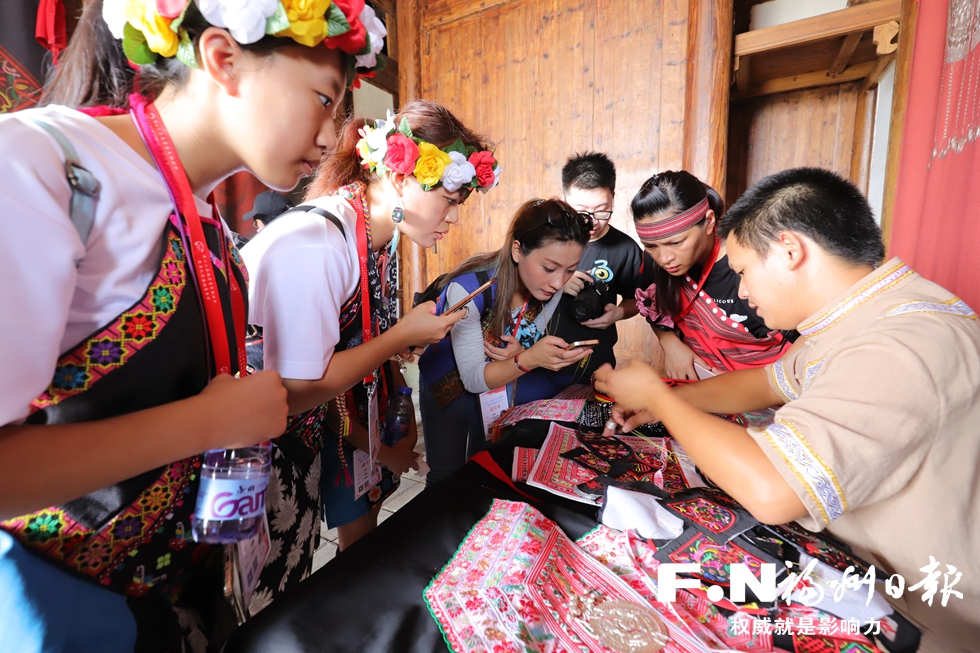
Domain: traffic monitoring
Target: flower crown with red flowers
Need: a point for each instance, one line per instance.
(457, 167)
(153, 28)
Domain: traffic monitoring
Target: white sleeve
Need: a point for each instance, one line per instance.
(467, 337)
(38, 249)
(301, 273)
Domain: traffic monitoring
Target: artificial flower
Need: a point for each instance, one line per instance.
(244, 19)
(432, 161)
(170, 8)
(155, 28)
(353, 40)
(114, 15)
(484, 162)
(376, 32)
(375, 146)
(457, 173)
(403, 153)
(307, 21)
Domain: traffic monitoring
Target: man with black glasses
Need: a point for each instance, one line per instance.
(602, 291)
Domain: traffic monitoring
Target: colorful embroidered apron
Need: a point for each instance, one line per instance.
(717, 338)
(134, 537)
(368, 312)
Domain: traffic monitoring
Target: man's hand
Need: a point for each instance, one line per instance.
(577, 281)
(612, 314)
(633, 385)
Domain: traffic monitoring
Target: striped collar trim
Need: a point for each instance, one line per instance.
(881, 282)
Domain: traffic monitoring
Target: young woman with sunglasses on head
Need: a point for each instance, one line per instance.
(502, 337)
(693, 304)
(323, 283)
(124, 311)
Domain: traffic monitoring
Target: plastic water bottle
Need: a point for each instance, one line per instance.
(231, 499)
(399, 417)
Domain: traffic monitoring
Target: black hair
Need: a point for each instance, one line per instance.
(530, 228)
(814, 202)
(588, 171)
(94, 70)
(665, 195)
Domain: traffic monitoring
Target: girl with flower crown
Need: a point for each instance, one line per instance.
(695, 292)
(323, 281)
(124, 307)
(503, 336)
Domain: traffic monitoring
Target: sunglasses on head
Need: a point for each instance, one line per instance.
(562, 220)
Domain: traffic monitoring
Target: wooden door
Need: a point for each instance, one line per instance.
(544, 79)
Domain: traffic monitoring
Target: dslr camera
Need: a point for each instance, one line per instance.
(591, 302)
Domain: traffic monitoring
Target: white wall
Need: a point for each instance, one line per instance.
(777, 12)
(879, 143)
(371, 102)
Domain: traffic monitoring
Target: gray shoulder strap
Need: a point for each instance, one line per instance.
(84, 186)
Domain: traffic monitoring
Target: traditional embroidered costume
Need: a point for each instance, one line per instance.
(878, 437)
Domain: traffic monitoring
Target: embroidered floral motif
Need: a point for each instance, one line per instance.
(816, 477)
(109, 349)
(43, 527)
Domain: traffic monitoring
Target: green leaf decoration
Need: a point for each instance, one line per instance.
(367, 46)
(336, 21)
(405, 129)
(382, 62)
(178, 21)
(185, 50)
(278, 21)
(457, 146)
(135, 48)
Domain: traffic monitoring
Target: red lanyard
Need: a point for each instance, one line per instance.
(704, 277)
(162, 149)
(367, 331)
(520, 316)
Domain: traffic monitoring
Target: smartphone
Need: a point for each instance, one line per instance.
(466, 300)
(703, 373)
(581, 343)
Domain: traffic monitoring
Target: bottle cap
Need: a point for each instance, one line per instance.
(404, 390)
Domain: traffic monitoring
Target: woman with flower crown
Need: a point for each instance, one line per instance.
(124, 307)
(322, 289)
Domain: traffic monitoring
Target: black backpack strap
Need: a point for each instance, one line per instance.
(309, 208)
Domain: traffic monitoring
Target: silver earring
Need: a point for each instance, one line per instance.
(398, 213)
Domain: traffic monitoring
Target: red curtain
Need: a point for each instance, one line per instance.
(936, 227)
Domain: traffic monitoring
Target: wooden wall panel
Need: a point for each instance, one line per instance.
(814, 127)
(544, 79)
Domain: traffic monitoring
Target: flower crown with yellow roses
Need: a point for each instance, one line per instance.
(456, 167)
(154, 28)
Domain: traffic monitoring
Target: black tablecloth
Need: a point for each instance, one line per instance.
(369, 598)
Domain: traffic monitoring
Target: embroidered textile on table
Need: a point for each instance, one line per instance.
(509, 585)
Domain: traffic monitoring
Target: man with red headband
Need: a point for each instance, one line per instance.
(875, 439)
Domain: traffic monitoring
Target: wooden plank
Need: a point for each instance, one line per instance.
(874, 76)
(387, 79)
(742, 67)
(836, 23)
(407, 25)
(813, 57)
(903, 69)
(844, 55)
(442, 12)
(708, 88)
(864, 120)
(808, 80)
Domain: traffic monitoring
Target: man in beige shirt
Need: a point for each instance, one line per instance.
(877, 438)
